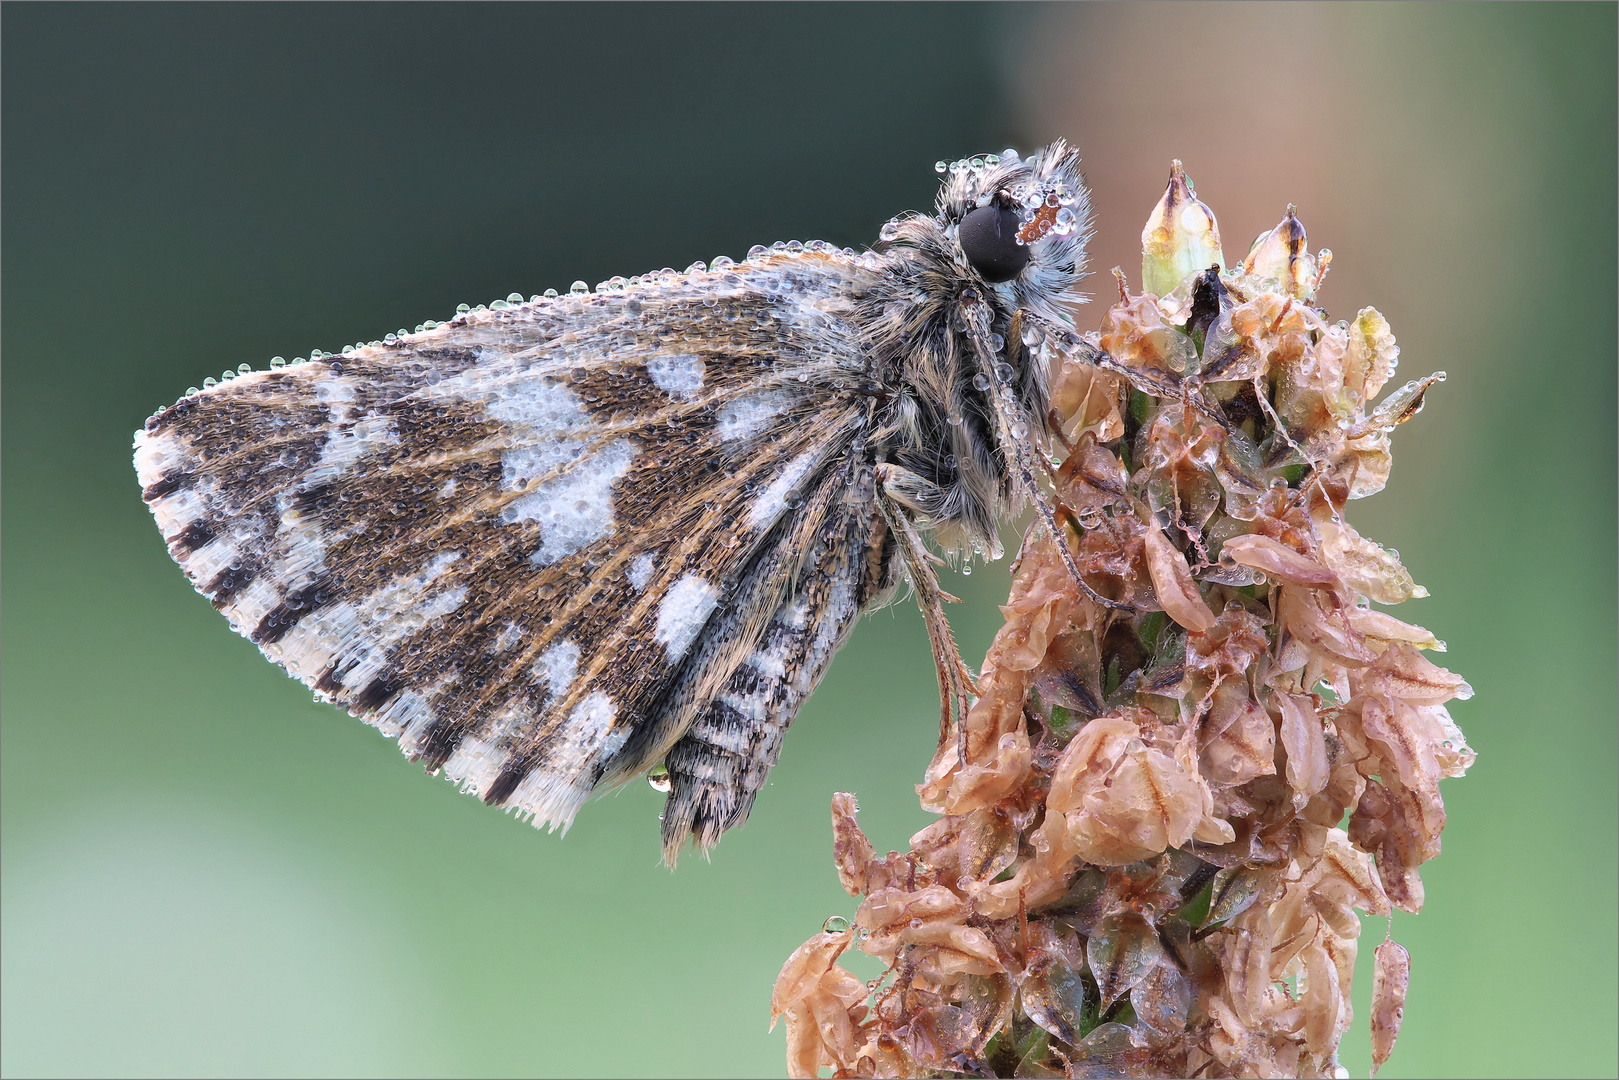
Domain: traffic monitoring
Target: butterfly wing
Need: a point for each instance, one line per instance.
(720, 763)
(534, 543)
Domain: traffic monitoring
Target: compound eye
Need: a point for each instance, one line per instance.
(988, 238)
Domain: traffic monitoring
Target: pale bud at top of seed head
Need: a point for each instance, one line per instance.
(1181, 237)
(1280, 256)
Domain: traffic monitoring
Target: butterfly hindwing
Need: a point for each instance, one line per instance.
(533, 543)
(720, 762)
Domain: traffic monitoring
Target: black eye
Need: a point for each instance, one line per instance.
(988, 238)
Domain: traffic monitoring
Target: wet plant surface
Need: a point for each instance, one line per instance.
(1182, 777)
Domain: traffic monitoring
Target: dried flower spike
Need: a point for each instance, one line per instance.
(1139, 868)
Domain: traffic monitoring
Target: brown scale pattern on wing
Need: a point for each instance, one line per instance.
(692, 510)
(251, 446)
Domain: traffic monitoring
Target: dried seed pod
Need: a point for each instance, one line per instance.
(1173, 583)
(1122, 952)
(1391, 978)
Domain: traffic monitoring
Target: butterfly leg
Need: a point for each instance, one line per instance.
(1008, 419)
(955, 679)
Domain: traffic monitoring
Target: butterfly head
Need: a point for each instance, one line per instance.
(1019, 226)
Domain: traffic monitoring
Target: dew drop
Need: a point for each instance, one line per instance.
(660, 780)
(578, 288)
(837, 924)
(277, 362)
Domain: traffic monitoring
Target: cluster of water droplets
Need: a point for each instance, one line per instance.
(721, 265)
(1054, 199)
(977, 166)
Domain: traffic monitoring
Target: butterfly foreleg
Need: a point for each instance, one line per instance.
(1014, 431)
(896, 490)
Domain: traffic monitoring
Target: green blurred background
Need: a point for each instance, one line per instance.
(204, 872)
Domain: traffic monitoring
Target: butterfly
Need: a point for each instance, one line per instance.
(555, 544)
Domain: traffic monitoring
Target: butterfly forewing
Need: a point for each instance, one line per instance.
(517, 539)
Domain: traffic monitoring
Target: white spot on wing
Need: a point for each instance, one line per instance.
(522, 464)
(747, 416)
(174, 512)
(157, 455)
(478, 759)
(406, 716)
(586, 731)
(842, 606)
(346, 446)
(557, 667)
(677, 374)
(771, 664)
(535, 407)
(554, 792)
(794, 614)
(361, 631)
(576, 508)
(682, 614)
(204, 564)
(641, 569)
(509, 636)
(770, 502)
